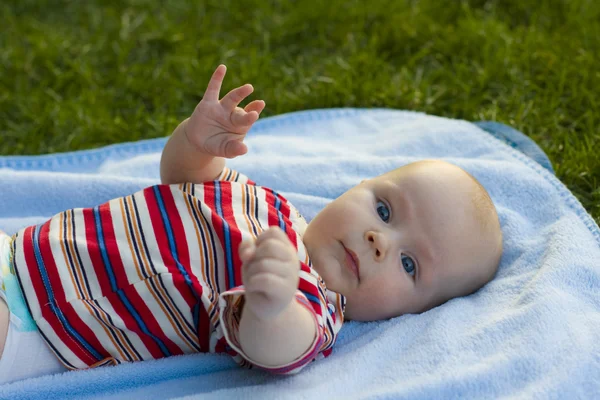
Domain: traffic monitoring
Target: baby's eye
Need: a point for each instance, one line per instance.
(383, 211)
(408, 264)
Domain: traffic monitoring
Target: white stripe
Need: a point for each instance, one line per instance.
(148, 234)
(119, 323)
(123, 235)
(198, 258)
(58, 344)
(205, 212)
(23, 272)
(240, 218)
(82, 247)
(56, 242)
(263, 208)
(157, 312)
(90, 319)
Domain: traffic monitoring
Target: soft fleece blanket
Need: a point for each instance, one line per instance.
(533, 332)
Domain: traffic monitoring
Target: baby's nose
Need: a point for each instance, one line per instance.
(378, 244)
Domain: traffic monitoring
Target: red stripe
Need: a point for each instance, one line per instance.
(235, 235)
(218, 223)
(94, 252)
(112, 247)
(118, 270)
(308, 287)
(284, 212)
(99, 269)
(284, 208)
(162, 239)
(65, 307)
(149, 320)
(129, 291)
(204, 329)
(177, 229)
(272, 215)
(32, 267)
(102, 275)
(223, 347)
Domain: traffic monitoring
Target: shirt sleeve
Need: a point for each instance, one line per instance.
(230, 175)
(325, 307)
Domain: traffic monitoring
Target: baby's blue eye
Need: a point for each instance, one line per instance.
(408, 264)
(383, 211)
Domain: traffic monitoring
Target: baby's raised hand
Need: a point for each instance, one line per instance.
(270, 273)
(218, 127)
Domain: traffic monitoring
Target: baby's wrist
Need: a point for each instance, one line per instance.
(266, 316)
(280, 340)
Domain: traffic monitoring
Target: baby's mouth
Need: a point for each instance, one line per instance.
(351, 262)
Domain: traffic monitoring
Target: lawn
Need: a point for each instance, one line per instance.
(82, 74)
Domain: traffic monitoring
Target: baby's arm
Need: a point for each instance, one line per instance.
(197, 149)
(275, 329)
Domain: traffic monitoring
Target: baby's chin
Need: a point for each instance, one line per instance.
(358, 312)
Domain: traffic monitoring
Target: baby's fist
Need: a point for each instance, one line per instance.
(270, 273)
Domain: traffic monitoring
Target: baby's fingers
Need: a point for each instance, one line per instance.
(235, 148)
(246, 250)
(235, 97)
(214, 85)
(241, 118)
(256, 105)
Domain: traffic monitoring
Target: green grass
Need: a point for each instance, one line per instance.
(81, 74)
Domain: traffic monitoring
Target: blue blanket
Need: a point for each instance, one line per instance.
(534, 331)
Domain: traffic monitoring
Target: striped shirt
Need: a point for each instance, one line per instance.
(157, 274)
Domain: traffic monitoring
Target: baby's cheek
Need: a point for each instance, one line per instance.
(377, 293)
(397, 294)
(371, 305)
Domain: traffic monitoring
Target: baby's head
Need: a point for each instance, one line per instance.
(406, 241)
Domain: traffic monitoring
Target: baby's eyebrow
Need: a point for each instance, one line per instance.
(402, 201)
(410, 208)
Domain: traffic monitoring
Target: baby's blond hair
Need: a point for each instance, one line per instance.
(487, 217)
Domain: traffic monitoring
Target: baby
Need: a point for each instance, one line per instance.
(211, 262)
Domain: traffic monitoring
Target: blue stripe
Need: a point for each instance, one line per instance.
(55, 309)
(155, 273)
(136, 249)
(132, 311)
(100, 235)
(76, 247)
(312, 298)
(82, 270)
(227, 236)
(182, 271)
(113, 327)
(146, 251)
(205, 241)
(279, 215)
(140, 322)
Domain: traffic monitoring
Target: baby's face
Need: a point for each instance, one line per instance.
(402, 242)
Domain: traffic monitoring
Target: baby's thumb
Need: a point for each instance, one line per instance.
(235, 148)
(246, 250)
